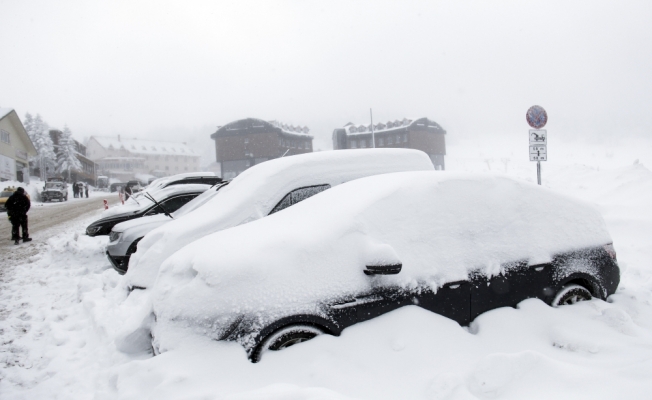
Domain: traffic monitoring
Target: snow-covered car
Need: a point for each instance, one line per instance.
(265, 189)
(208, 178)
(455, 244)
(124, 237)
(55, 190)
(167, 201)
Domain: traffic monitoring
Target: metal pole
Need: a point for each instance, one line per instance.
(373, 136)
(539, 172)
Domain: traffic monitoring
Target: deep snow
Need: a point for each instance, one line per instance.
(63, 310)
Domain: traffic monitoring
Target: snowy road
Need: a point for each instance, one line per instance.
(42, 217)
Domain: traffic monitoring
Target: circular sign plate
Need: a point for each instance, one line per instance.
(537, 117)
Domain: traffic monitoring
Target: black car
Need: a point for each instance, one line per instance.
(458, 246)
(167, 200)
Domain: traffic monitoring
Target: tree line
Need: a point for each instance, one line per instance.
(61, 158)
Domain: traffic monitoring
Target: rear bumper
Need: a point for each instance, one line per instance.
(119, 263)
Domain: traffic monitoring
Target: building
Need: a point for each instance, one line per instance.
(88, 171)
(125, 159)
(246, 142)
(15, 147)
(421, 134)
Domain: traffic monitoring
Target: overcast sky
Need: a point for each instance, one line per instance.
(177, 70)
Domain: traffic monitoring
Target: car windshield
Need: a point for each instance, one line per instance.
(198, 201)
(53, 185)
(6, 194)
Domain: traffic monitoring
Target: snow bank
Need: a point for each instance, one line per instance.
(254, 193)
(439, 226)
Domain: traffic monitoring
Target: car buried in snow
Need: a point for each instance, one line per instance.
(458, 245)
(163, 201)
(261, 190)
(124, 237)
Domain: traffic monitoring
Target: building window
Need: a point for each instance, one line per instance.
(4, 136)
(390, 140)
(353, 144)
(363, 143)
(398, 139)
(405, 138)
(381, 141)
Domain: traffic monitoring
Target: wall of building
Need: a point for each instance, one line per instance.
(15, 153)
(244, 143)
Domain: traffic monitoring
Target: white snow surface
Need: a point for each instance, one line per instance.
(439, 226)
(254, 193)
(63, 312)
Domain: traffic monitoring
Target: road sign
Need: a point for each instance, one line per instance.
(538, 148)
(539, 157)
(536, 117)
(538, 136)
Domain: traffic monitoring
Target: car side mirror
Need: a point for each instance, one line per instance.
(385, 269)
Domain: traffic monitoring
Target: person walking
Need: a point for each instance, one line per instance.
(17, 206)
(128, 192)
(86, 190)
(75, 190)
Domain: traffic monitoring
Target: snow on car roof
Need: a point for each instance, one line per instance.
(141, 203)
(440, 226)
(257, 190)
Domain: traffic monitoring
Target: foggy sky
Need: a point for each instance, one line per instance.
(176, 70)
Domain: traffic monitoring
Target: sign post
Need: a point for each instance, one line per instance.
(537, 118)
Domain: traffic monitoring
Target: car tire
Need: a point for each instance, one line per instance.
(571, 294)
(285, 337)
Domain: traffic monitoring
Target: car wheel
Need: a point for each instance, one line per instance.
(284, 338)
(571, 294)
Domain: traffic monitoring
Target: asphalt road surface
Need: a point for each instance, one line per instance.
(42, 218)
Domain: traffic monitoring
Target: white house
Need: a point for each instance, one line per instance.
(123, 158)
(15, 147)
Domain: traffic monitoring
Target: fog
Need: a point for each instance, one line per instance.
(177, 70)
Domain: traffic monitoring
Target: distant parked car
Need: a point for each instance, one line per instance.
(454, 244)
(263, 189)
(114, 187)
(55, 190)
(168, 200)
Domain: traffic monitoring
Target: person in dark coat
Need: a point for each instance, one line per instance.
(17, 206)
(75, 190)
(86, 190)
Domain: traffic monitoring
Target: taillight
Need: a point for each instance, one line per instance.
(609, 248)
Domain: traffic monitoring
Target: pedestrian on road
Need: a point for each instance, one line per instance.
(128, 192)
(86, 190)
(75, 190)
(17, 206)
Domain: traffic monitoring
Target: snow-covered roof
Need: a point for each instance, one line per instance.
(380, 127)
(143, 146)
(5, 111)
(253, 123)
(291, 129)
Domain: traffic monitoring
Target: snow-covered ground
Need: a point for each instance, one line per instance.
(63, 316)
